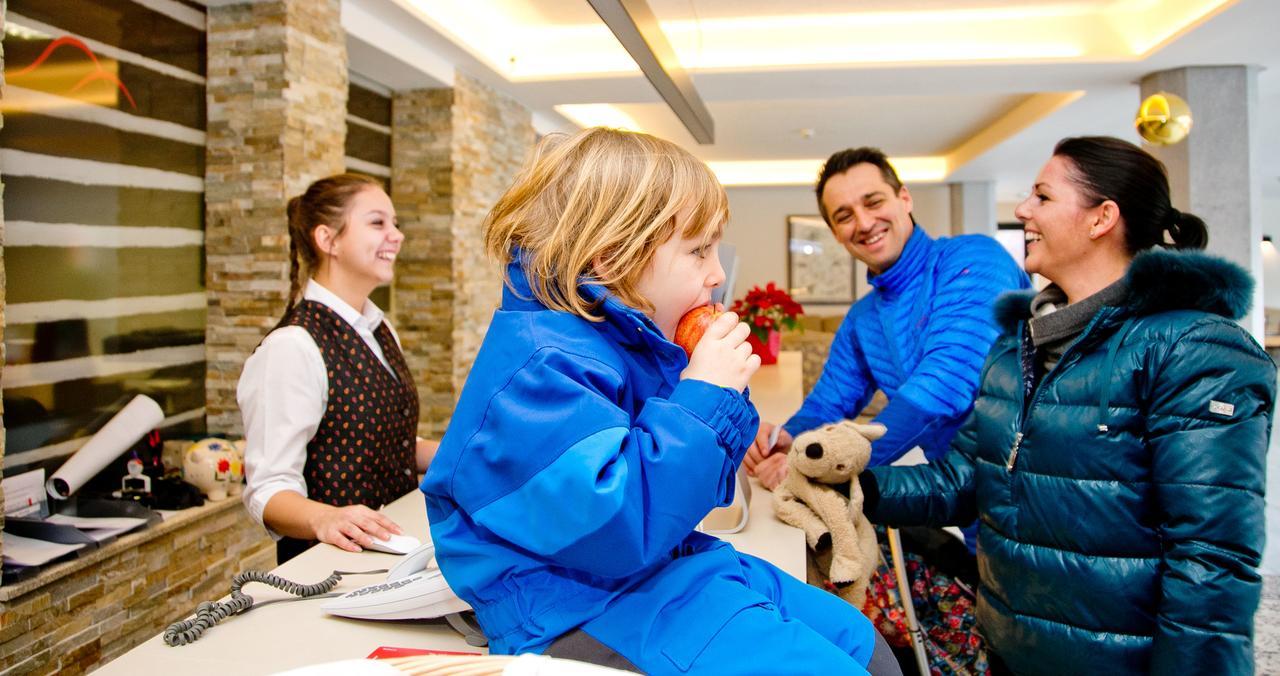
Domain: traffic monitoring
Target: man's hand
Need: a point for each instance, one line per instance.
(761, 448)
(352, 528)
(772, 470)
(723, 356)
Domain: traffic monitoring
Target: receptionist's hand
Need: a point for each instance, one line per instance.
(772, 470)
(352, 528)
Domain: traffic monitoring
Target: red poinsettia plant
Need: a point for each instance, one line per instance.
(767, 309)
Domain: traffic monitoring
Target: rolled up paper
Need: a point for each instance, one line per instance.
(123, 430)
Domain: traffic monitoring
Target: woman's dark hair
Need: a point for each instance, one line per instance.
(1107, 168)
(326, 202)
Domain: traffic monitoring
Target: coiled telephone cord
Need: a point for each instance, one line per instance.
(210, 613)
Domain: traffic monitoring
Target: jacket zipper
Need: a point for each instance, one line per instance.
(1013, 451)
(1025, 413)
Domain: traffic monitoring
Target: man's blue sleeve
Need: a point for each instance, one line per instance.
(907, 425)
(844, 387)
(959, 333)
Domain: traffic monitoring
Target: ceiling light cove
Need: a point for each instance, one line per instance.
(524, 46)
(805, 172)
(598, 115)
(1147, 25)
(1021, 114)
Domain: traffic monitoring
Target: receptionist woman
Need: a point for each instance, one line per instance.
(329, 406)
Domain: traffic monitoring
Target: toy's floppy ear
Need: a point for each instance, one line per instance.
(872, 431)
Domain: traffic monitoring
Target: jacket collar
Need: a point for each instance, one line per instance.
(1161, 280)
(626, 324)
(900, 275)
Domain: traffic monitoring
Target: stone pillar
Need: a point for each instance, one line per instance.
(277, 93)
(453, 152)
(3, 281)
(973, 208)
(1213, 173)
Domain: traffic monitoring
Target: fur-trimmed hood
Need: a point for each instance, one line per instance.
(1160, 280)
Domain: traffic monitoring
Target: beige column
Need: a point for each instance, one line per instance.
(453, 152)
(973, 208)
(1213, 173)
(277, 94)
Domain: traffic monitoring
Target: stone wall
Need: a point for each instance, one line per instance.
(423, 290)
(453, 153)
(277, 91)
(3, 281)
(492, 137)
(118, 597)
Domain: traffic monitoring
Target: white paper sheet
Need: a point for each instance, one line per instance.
(98, 527)
(86, 522)
(30, 552)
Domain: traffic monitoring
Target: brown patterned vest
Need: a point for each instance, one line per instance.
(364, 451)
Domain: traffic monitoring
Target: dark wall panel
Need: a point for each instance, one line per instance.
(27, 198)
(43, 273)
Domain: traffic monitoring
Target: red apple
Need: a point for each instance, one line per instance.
(693, 324)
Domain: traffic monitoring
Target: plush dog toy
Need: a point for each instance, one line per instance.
(819, 460)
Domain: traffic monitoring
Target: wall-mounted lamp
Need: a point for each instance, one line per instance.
(1163, 119)
(1268, 249)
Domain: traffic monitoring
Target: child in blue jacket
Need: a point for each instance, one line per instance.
(586, 446)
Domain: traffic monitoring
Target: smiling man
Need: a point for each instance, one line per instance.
(920, 335)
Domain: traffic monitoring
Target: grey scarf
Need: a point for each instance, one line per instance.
(1054, 323)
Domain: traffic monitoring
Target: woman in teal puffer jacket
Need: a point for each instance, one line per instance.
(1116, 452)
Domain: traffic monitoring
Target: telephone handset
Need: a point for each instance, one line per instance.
(414, 589)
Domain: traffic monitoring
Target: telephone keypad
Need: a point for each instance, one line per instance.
(386, 586)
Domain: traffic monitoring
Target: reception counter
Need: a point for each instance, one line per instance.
(288, 635)
(79, 614)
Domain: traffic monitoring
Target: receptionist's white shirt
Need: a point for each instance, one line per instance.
(283, 393)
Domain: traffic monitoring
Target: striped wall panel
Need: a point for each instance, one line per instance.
(102, 153)
(368, 148)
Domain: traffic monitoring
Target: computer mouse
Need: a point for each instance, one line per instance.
(396, 544)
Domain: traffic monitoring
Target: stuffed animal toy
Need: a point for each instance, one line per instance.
(819, 460)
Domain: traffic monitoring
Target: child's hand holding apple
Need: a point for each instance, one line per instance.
(716, 343)
(693, 324)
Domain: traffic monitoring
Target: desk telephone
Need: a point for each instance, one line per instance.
(414, 589)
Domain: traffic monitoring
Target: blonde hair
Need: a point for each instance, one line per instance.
(592, 207)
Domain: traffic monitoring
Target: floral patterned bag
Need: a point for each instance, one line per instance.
(944, 607)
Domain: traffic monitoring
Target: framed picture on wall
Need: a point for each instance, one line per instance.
(819, 270)
(1014, 240)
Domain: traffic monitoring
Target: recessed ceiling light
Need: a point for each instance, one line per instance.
(1124, 30)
